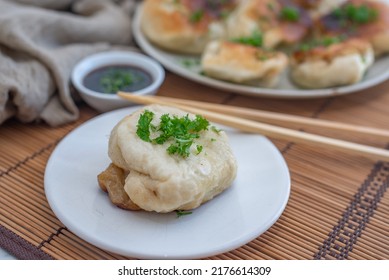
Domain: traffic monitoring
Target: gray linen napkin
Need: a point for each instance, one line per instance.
(39, 46)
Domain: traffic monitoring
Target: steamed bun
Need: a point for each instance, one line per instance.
(162, 182)
(343, 63)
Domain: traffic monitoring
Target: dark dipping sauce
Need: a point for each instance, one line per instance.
(114, 78)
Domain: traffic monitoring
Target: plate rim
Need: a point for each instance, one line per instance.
(153, 51)
(130, 253)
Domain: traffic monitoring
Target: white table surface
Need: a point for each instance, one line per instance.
(4, 255)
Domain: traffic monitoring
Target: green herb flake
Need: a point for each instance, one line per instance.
(196, 16)
(328, 41)
(115, 80)
(181, 131)
(187, 63)
(200, 123)
(199, 149)
(270, 6)
(305, 47)
(181, 213)
(355, 14)
(256, 40)
(216, 130)
(323, 42)
(190, 62)
(144, 124)
(289, 13)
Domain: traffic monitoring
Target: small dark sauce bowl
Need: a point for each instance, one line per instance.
(88, 69)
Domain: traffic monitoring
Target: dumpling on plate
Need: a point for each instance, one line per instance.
(279, 22)
(365, 19)
(241, 63)
(172, 160)
(185, 26)
(331, 62)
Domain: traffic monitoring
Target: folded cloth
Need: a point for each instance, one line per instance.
(50, 4)
(39, 46)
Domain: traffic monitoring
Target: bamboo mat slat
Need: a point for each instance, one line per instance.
(338, 207)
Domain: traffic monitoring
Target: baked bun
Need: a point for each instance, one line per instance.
(162, 182)
(341, 63)
(185, 26)
(278, 22)
(364, 19)
(244, 64)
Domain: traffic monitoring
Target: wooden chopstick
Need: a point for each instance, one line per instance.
(282, 119)
(270, 130)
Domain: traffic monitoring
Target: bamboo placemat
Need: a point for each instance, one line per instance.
(338, 208)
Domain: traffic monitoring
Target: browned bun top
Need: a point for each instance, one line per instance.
(362, 26)
(328, 53)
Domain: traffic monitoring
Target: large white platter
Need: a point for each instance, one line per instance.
(247, 209)
(178, 64)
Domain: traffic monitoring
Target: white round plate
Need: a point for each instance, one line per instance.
(188, 67)
(249, 207)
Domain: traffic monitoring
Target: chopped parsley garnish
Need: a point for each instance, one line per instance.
(216, 130)
(190, 62)
(256, 40)
(180, 132)
(289, 13)
(116, 80)
(196, 16)
(323, 42)
(181, 213)
(305, 47)
(143, 127)
(356, 14)
(199, 148)
(328, 41)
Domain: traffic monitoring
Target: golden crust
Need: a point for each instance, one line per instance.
(167, 24)
(351, 46)
(376, 31)
(340, 64)
(170, 18)
(264, 16)
(111, 181)
(242, 63)
(173, 25)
